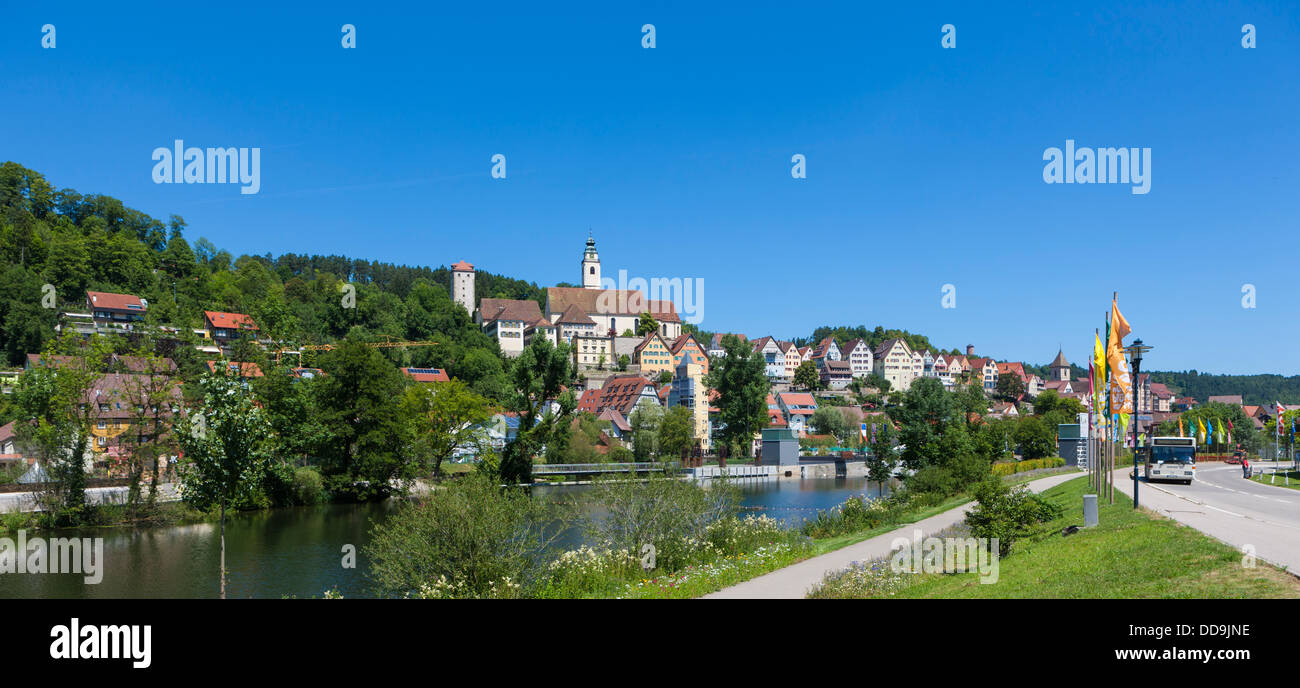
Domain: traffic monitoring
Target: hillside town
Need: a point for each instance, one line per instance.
(627, 353)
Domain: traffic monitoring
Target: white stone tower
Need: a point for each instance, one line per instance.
(462, 285)
(590, 265)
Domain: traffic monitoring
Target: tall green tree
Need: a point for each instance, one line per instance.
(359, 399)
(539, 375)
(806, 376)
(56, 412)
(676, 432)
(740, 379)
(225, 449)
(449, 419)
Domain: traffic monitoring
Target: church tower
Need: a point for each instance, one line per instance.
(590, 265)
(1060, 367)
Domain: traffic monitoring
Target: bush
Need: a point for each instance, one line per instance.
(1007, 514)
(470, 538)
(674, 516)
(1012, 467)
(934, 479)
(308, 487)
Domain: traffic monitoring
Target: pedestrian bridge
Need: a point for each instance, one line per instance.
(592, 469)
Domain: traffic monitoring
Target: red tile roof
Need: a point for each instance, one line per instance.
(427, 374)
(509, 309)
(116, 302)
(229, 321)
(463, 266)
(609, 302)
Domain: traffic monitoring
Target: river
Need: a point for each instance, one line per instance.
(299, 552)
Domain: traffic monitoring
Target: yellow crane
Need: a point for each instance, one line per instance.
(391, 343)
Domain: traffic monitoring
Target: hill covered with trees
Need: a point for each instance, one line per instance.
(77, 242)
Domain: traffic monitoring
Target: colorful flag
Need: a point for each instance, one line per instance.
(1209, 432)
(1200, 431)
(1180, 426)
(1121, 384)
(1099, 369)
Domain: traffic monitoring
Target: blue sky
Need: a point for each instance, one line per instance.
(924, 165)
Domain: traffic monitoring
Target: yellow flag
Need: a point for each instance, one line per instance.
(1099, 372)
(1119, 375)
(1200, 431)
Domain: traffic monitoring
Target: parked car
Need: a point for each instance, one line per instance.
(1236, 458)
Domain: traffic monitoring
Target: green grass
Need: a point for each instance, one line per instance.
(1131, 554)
(697, 581)
(1280, 480)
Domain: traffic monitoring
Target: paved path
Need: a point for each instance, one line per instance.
(794, 581)
(1226, 506)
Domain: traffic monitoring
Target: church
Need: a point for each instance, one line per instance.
(589, 317)
(613, 311)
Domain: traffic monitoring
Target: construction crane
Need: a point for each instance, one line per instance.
(391, 343)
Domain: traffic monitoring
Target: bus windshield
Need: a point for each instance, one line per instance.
(1168, 454)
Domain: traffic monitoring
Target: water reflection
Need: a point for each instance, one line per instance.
(299, 552)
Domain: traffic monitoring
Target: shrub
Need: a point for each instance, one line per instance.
(470, 538)
(1012, 467)
(308, 487)
(934, 479)
(1007, 514)
(674, 516)
(857, 514)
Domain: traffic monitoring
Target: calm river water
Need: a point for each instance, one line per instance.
(298, 552)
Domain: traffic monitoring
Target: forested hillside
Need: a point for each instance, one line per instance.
(77, 242)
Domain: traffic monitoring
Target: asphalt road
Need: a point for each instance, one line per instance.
(1226, 506)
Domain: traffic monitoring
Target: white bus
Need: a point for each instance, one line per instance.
(1171, 458)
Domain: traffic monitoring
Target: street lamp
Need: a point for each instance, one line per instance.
(1135, 351)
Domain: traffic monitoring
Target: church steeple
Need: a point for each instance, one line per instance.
(1060, 367)
(590, 264)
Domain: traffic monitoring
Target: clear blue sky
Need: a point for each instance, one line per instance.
(924, 164)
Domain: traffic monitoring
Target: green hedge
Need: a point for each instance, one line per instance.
(1010, 467)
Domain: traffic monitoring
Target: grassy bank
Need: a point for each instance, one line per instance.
(715, 573)
(1131, 554)
(1280, 480)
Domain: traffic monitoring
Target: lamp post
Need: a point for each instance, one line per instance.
(1135, 351)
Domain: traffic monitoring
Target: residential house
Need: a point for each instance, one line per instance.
(836, 374)
(227, 328)
(893, 361)
(623, 393)
(506, 321)
(686, 348)
(858, 354)
(688, 390)
(826, 350)
(427, 375)
(653, 355)
(116, 311)
(986, 371)
(792, 358)
(1163, 398)
(773, 357)
(798, 409)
